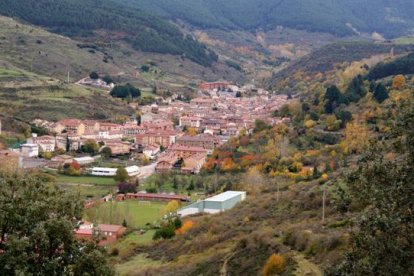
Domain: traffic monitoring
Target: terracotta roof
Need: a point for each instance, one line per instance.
(109, 227)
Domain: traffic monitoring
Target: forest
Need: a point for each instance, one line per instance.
(77, 18)
(403, 65)
(315, 15)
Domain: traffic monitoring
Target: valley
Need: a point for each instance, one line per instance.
(206, 137)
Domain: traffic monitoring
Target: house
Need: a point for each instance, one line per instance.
(131, 130)
(29, 150)
(190, 121)
(151, 151)
(46, 143)
(73, 126)
(84, 160)
(110, 232)
(110, 134)
(132, 171)
(194, 163)
(63, 159)
(164, 166)
(205, 141)
(202, 102)
(91, 126)
(213, 205)
(186, 151)
(213, 85)
(163, 138)
(118, 147)
(85, 231)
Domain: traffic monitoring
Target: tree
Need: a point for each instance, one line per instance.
(332, 123)
(383, 243)
(398, 82)
(91, 147)
(108, 80)
(356, 89)
(93, 75)
(380, 93)
(356, 138)
(106, 152)
(125, 91)
(124, 188)
(333, 99)
(260, 125)
(121, 175)
(36, 230)
(172, 206)
(276, 264)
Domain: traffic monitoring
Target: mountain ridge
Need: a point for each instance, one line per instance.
(338, 17)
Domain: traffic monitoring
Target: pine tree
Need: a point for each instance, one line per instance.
(380, 93)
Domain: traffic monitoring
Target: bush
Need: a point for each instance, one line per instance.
(114, 252)
(276, 264)
(93, 75)
(125, 91)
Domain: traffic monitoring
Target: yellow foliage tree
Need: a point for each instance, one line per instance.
(356, 137)
(172, 206)
(309, 123)
(398, 82)
(332, 123)
(276, 264)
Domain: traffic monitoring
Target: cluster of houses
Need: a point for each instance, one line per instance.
(109, 233)
(176, 135)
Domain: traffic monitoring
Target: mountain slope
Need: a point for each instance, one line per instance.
(84, 18)
(387, 17)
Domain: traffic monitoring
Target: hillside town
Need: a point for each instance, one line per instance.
(172, 135)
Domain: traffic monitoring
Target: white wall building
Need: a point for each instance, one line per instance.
(29, 150)
(213, 205)
(99, 171)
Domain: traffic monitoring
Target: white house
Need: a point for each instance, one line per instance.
(84, 160)
(132, 170)
(29, 150)
(151, 151)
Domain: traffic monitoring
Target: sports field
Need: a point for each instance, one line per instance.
(136, 213)
(65, 179)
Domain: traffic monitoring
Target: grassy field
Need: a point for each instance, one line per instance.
(136, 214)
(405, 40)
(105, 181)
(127, 244)
(139, 261)
(89, 191)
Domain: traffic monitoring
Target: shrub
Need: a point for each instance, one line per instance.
(114, 252)
(93, 75)
(276, 264)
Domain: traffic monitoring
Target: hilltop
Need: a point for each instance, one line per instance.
(110, 21)
(39, 51)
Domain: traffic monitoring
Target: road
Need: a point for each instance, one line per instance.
(147, 171)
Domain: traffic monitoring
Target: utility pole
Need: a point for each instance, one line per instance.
(68, 77)
(323, 203)
(277, 194)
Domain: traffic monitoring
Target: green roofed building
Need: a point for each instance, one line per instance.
(216, 204)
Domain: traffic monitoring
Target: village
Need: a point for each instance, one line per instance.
(170, 136)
